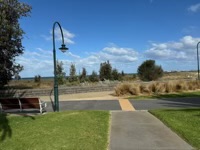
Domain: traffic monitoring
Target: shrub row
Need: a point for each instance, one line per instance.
(155, 87)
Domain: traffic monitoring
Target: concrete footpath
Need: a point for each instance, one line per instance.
(139, 130)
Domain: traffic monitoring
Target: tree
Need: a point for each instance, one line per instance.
(17, 69)
(94, 77)
(83, 75)
(105, 71)
(37, 79)
(11, 36)
(72, 75)
(122, 73)
(149, 71)
(60, 72)
(116, 75)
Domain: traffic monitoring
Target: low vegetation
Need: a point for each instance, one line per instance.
(185, 122)
(156, 88)
(149, 71)
(64, 130)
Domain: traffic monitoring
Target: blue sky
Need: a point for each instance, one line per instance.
(125, 32)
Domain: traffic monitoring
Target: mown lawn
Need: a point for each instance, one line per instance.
(70, 130)
(185, 122)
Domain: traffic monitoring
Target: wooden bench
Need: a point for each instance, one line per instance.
(10, 104)
(21, 104)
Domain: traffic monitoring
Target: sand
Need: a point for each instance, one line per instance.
(107, 95)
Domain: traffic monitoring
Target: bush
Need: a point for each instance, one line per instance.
(135, 90)
(116, 75)
(156, 87)
(93, 77)
(123, 89)
(149, 71)
(37, 79)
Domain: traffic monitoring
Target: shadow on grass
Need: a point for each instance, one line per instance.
(52, 103)
(5, 128)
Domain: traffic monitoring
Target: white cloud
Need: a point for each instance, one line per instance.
(119, 57)
(184, 49)
(40, 61)
(68, 36)
(194, 8)
(73, 55)
(115, 55)
(36, 62)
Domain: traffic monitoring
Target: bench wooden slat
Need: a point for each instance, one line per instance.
(22, 104)
(10, 103)
(30, 103)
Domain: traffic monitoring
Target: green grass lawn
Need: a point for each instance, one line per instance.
(185, 122)
(70, 130)
(174, 95)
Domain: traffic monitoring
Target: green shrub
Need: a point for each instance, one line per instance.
(149, 71)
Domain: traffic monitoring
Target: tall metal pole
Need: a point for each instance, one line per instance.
(63, 48)
(198, 59)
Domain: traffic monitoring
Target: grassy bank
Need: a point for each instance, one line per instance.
(185, 122)
(64, 130)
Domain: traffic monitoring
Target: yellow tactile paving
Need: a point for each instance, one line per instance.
(126, 105)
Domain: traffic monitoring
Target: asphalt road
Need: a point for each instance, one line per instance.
(166, 103)
(137, 104)
(87, 105)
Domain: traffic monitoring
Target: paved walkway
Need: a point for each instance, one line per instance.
(139, 130)
(136, 130)
(126, 105)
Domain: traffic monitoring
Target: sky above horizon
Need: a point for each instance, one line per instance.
(125, 32)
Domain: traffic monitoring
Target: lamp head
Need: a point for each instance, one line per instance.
(63, 48)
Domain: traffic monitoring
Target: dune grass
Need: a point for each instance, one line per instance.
(185, 122)
(155, 88)
(87, 130)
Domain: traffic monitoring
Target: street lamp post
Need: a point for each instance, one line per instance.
(63, 48)
(198, 59)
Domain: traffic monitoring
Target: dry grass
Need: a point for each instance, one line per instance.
(30, 84)
(156, 87)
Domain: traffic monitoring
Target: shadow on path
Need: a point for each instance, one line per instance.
(181, 102)
(166, 103)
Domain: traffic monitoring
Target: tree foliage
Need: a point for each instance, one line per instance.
(37, 79)
(83, 75)
(116, 75)
(149, 71)
(105, 72)
(11, 36)
(72, 74)
(17, 69)
(60, 72)
(94, 77)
